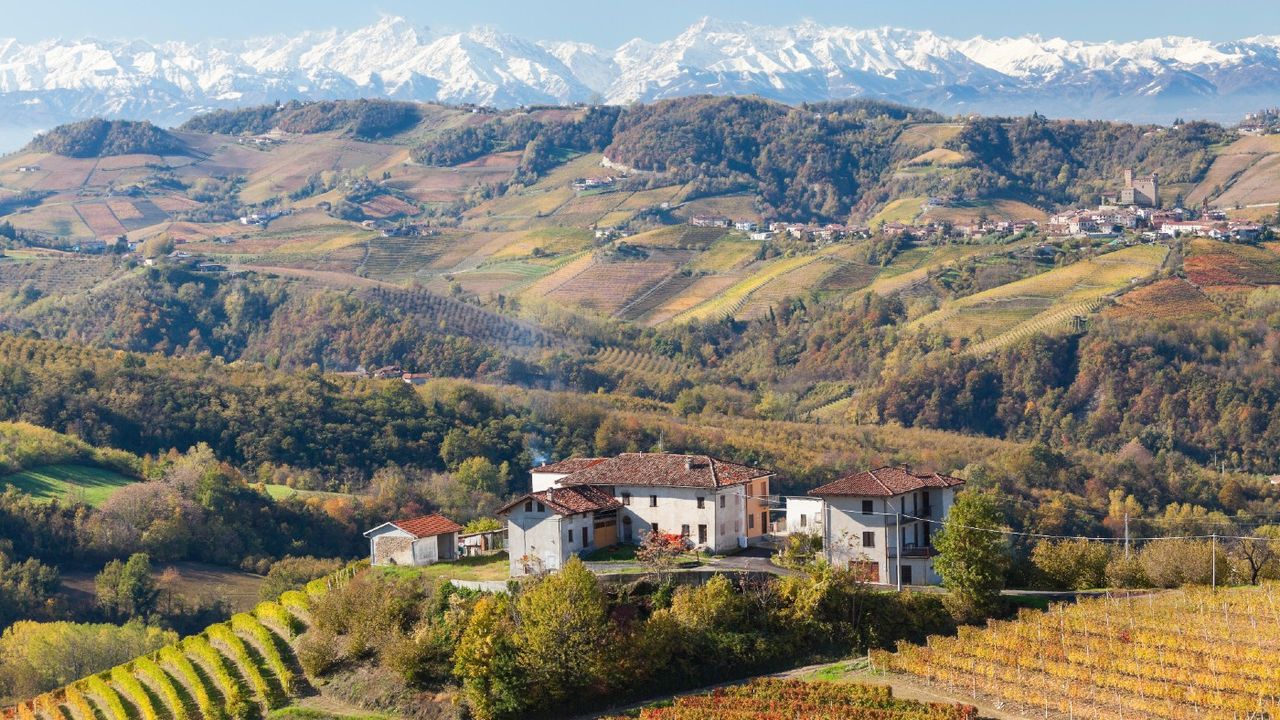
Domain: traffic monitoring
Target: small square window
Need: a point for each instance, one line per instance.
(868, 507)
(570, 536)
(528, 506)
(751, 522)
(702, 503)
(542, 508)
(721, 502)
(868, 539)
(626, 498)
(653, 501)
(803, 520)
(654, 526)
(684, 531)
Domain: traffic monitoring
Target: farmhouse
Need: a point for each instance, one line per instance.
(804, 515)
(881, 520)
(583, 504)
(419, 541)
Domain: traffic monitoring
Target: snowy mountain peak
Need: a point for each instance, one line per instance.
(1158, 78)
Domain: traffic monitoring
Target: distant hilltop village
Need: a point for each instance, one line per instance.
(1136, 209)
(1262, 122)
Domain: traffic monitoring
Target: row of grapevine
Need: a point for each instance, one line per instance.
(770, 699)
(232, 671)
(1183, 654)
(728, 303)
(458, 318)
(1046, 322)
(624, 360)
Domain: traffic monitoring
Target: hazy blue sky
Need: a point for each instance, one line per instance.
(610, 22)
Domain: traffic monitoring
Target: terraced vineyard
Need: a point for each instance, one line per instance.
(1172, 298)
(460, 318)
(770, 699)
(1223, 267)
(732, 300)
(1181, 654)
(1045, 302)
(243, 668)
(54, 275)
(608, 286)
(632, 361)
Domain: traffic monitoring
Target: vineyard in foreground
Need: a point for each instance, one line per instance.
(1181, 654)
(239, 669)
(769, 699)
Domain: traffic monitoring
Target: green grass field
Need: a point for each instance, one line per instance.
(280, 492)
(49, 482)
(480, 567)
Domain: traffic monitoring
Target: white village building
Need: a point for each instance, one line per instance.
(804, 515)
(584, 504)
(419, 541)
(881, 520)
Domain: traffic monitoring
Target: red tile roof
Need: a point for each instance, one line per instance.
(569, 466)
(427, 525)
(885, 482)
(569, 500)
(665, 470)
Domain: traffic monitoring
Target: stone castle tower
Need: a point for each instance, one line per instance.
(1143, 193)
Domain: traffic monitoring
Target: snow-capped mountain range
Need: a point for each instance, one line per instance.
(58, 80)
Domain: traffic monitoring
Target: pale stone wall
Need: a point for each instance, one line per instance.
(389, 549)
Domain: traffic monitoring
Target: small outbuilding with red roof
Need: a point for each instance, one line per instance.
(416, 541)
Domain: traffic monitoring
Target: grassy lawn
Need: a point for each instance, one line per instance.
(627, 553)
(840, 671)
(90, 484)
(614, 553)
(280, 492)
(479, 567)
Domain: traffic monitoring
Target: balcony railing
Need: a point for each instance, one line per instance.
(924, 551)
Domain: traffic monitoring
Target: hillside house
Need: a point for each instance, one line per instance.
(804, 515)
(583, 504)
(418, 541)
(881, 520)
(546, 528)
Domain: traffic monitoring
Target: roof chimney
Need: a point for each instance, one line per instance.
(688, 462)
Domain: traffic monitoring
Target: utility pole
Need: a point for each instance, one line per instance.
(1213, 558)
(1126, 536)
(897, 542)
